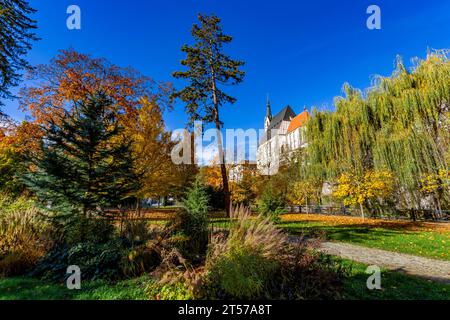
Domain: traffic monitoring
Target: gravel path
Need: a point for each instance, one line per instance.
(437, 270)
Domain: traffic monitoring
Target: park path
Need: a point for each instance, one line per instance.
(437, 270)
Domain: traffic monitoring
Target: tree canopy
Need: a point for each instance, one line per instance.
(16, 37)
(400, 125)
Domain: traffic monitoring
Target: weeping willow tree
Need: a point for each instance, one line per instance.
(400, 124)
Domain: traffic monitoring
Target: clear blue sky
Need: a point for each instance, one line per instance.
(300, 52)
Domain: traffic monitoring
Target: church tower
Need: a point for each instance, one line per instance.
(268, 117)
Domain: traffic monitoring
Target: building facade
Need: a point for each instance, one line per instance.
(284, 134)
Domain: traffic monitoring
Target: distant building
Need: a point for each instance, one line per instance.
(236, 172)
(284, 133)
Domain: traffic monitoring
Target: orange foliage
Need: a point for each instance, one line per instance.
(370, 223)
(72, 76)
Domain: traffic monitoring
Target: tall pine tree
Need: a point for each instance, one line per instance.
(86, 164)
(16, 35)
(209, 69)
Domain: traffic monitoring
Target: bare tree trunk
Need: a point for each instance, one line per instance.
(439, 208)
(362, 210)
(223, 168)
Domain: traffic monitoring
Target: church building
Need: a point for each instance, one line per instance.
(284, 133)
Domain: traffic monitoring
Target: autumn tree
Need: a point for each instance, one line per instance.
(209, 69)
(357, 190)
(72, 77)
(152, 145)
(83, 168)
(16, 37)
(435, 185)
(17, 143)
(137, 101)
(9, 160)
(303, 193)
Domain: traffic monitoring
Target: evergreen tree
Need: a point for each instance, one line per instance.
(86, 164)
(209, 69)
(193, 221)
(16, 35)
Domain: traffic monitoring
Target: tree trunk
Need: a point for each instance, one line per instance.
(138, 207)
(362, 210)
(223, 168)
(439, 208)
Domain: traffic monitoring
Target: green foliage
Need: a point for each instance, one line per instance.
(209, 70)
(208, 67)
(97, 261)
(242, 273)
(271, 204)
(10, 204)
(11, 167)
(169, 291)
(400, 125)
(191, 225)
(241, 265)
(95, 230)
(86, 165)
(256, 261)
(16, 36)
(197, 203)
(141, 259)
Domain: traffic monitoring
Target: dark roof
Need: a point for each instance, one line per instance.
(284, 115)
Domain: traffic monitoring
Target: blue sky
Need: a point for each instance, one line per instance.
(299, 52)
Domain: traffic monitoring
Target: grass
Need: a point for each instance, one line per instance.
(419, 239)
(33, 289)
(394, 286)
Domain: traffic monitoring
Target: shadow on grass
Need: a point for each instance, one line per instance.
(34, 289)
(346, 233)
(394, 286)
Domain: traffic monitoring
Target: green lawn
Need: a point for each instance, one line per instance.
(422, 243)
(33, 289)
(394, 286)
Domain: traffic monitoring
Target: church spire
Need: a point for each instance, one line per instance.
(268, 117)
(268, 110)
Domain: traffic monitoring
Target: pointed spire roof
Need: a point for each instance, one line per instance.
(268, 109)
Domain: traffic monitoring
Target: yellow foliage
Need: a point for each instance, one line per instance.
(432, 183)
(353, 189)
(301, 192)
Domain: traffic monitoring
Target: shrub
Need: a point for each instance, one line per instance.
(112, 260)
(256, 261)
(241, 265)
(242, 273)
(307, 274)
(10, 204)
(95, 230)
(136, 230)
(169, 291)
(25, 236)
(15, 263)
(191, 225)
(271, 204)
(96, 261)
(141, 259)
